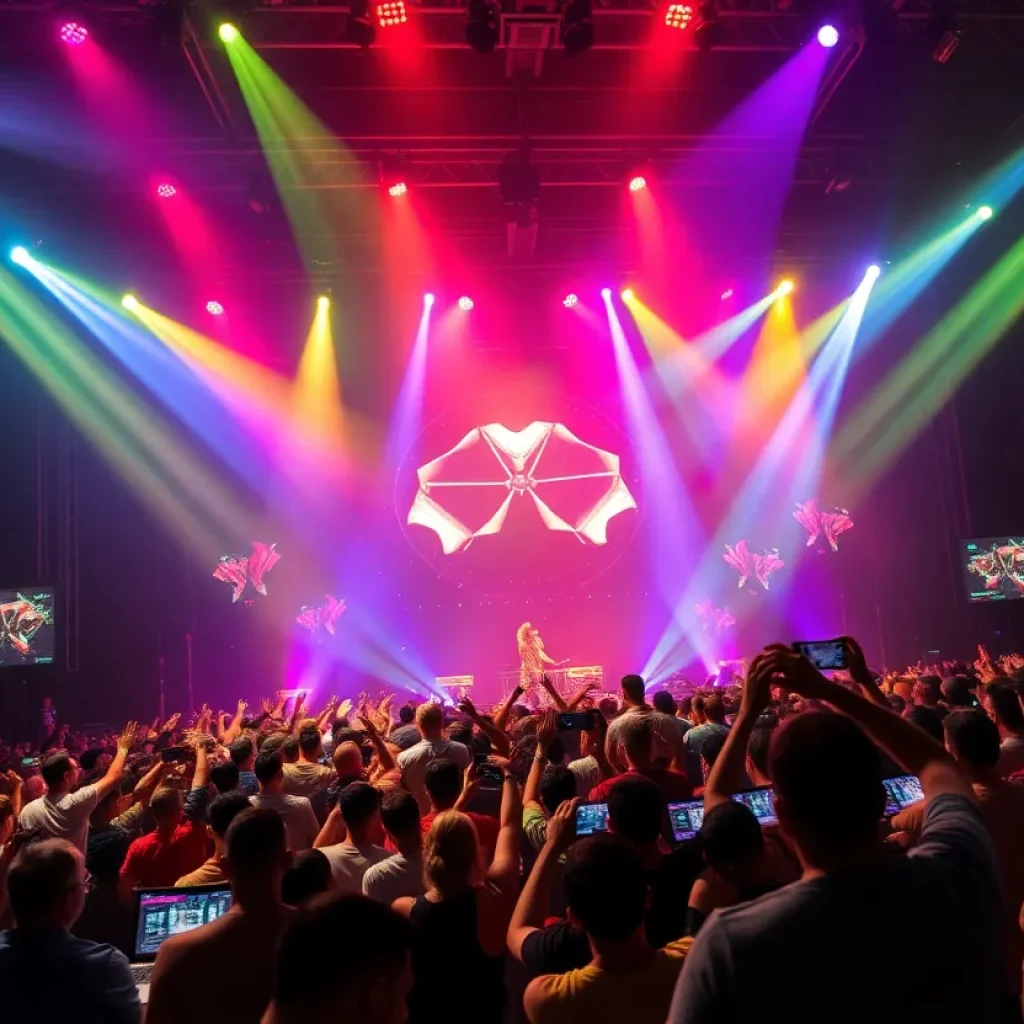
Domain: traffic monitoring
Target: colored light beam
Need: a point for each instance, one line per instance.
(902, 405)
(785, 468)
(407, 418)
(317, 412)
(675, 533)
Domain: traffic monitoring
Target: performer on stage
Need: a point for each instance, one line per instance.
(532, 657)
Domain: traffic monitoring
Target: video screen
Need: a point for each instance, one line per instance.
(164, 914)
(591, 818)
(761, 802)
(26, 627)
(900, 792)
(993, 568)
(686, 819)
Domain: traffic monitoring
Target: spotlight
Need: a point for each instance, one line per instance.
(130, 302)
(828, 36)
(727, 294)
(708, 31)
(398, 189)
(73, 33)
(466, 303)
(606, 293)
(627, 295)
(637, 183)
(678, 16)
(577, 27)
(785, 286)
(214, 308)
(985, 212)
(873, 273)
(392, 12)
(570, 300)
(227, 32)
(428, 299)
(323, 302)
(483, 25)
(166, 191)
(20, 256)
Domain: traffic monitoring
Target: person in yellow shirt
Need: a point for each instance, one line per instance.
(627, 979)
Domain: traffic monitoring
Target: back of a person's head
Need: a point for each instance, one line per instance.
(1002, 695)
(828, 779)
(711, 748)
(637, 738)
(664, 702)
(730, 837)
(896, 702)
(972, 737)
(361, 947)
(406, 714)
(959, 691)
(633, 688)
(224, 809)
(39, 879)
(273, 743)
(697, 704)
(557, 785)
(308, 876)
(635, 809)
(255, 845)
(267, 766)
(430, 718)
(928, 719)
(714, 709)
(758, 746)
(443, 781)
(290, 749)
(359, 801)
(225, 776)
(400, 815)
(605, 887)
(929, 689)
(347, 759)
(461, 732)
(450, 852)
(165, 804)
(241, 750)
(54, 768)
(309, 740)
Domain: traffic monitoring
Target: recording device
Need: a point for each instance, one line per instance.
(591, 818)
(761, 802)
(824, 655)
(489, 772)
(30, 762)
(570, 721)
(685, 819)
(175, 755)
(901, 791)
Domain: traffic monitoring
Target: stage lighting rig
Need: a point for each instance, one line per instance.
(709, 31)
(360, 27)
(391, 13)
(519, 189)
(577, 26)
(679, 16)
(393, 172)
(483, 25)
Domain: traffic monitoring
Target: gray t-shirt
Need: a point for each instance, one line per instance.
(349, 863)
(415, 761)
(67, 817)
(915, 938)
(300, 822)
(393, 878)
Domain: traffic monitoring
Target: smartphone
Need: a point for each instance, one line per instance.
(174, 755)
(29, 762)
(761, 802)
(489, 773)
(824, 655)
(901, 791)
(685, 819)
(570, 721)
(591, 818)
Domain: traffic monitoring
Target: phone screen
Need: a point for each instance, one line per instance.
(591, 818)
(824, 655)
(901, 791)
(685, 819)
(571, 720)
(761, 802)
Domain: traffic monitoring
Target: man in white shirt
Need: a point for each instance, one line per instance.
(307, 777)
(359, 805)
(63, 814)
(300, 822)
(402, 873)
(634, 702)
(432, 747)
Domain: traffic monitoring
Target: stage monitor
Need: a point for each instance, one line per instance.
(26, 626)
(993, 568)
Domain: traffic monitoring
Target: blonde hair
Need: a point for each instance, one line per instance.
(451, 853)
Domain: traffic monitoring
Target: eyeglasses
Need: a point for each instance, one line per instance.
(88, 883)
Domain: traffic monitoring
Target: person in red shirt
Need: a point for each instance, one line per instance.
(179, 844)
(448, 788)
(636, 741)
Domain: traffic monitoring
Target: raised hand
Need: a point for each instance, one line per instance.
(547, 729)
(757, 692)
(562, 825)
(468, 708)
(855, 660)
(799, 674)
(344, 708)
(172, 722)
(127, 737)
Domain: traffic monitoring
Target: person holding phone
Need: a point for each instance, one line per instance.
(829, 798)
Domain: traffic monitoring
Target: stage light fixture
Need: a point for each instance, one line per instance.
(428, 299)
(165, 190)
(709, 31)
(465, 303)
(679, 16)
(227, 32)
(570, 300)
(214, 308)
(73, 33)
(130, 302)
(985, 212)
(627, 295)
(398, 189)
(785, 286)
(20, 256)
(391, 13)
(727, 294)
(873, 273)
(359, 28)
(606, 293)
(577, 27)
(828, 36)
(637, 183)
(946, 36)
(483, 25)
(323, 301)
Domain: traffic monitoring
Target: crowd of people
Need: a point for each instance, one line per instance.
(426, 863)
